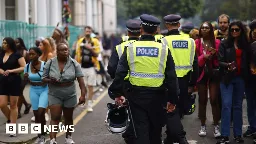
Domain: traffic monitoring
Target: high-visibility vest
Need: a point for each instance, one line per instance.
(183, 52)
(125, 38)
(158, 37)
(147, 63)
(184, 34)
(120, 47)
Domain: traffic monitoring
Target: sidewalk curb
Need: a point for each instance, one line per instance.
(29, 141)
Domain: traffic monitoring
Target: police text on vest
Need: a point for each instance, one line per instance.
(147, 51)
(180, 44)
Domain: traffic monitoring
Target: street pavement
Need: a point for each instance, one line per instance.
(26, 138)
(92, 130)
(90, 127)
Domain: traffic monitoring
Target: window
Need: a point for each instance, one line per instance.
(10, 9)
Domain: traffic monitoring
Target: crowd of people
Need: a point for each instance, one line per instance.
(224, 58)
(51, 71)
(226, 72)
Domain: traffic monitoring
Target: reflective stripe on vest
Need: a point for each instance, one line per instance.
(179, 67)
(120, 47)
(153, 79)
(119, 50)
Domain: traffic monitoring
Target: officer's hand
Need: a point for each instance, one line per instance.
(170, 107)
(120, 100)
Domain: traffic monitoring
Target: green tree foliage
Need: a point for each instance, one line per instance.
(160, 8)
(236, 9)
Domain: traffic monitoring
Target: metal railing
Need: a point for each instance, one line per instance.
(30, 32)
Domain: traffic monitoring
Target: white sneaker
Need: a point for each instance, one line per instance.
(33, 119)
(53, 141)
(12, 135)
(69, 140)
(46, 116)
(216, 132)
(89, 106)
(202, 131)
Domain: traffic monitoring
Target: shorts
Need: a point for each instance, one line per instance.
(10, 85)
(64, 96)
(107, 53)
(38, 97)
(90, 76)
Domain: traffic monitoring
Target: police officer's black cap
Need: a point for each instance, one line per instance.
(188, 25)
(172, 18)
(253, 24)
(149, 20)
(133, 25)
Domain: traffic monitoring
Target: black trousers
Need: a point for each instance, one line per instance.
(174, 129)
(183, 96)
(148, 115)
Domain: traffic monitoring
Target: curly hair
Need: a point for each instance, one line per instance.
(47, 49)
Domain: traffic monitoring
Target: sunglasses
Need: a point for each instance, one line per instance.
(205, 27)
(235, 29)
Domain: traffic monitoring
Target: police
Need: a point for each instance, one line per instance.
(186, 28)
(151, 74)
(186, 66)
(133, 30)
(158, 35)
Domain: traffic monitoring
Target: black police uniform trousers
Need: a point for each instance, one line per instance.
(174, 128)
(183, 96)
(148, 115)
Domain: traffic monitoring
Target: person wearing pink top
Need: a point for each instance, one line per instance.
(206, 49)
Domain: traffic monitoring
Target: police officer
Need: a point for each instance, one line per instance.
(186, 28)
(151, 72)
(133, 30)
(186, 66)
(158, 35)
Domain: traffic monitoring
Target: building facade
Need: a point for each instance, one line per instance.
(99, 14)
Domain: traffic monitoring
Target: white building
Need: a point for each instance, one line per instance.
(100, 14)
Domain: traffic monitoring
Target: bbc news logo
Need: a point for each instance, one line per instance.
(23, 128)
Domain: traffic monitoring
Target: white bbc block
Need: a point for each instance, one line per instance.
(23, 128)
(35, 128)
(10, 128)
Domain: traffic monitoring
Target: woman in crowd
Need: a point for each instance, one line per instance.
(250, 85)
(21, 48)
(60, 73)
(38, 92)
(11, 65)
(234, 69)
(53, 45)
(47, 54)
(207, 47)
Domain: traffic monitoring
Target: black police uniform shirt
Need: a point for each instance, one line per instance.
(194, 75)
(122, 70)
(113, 60)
